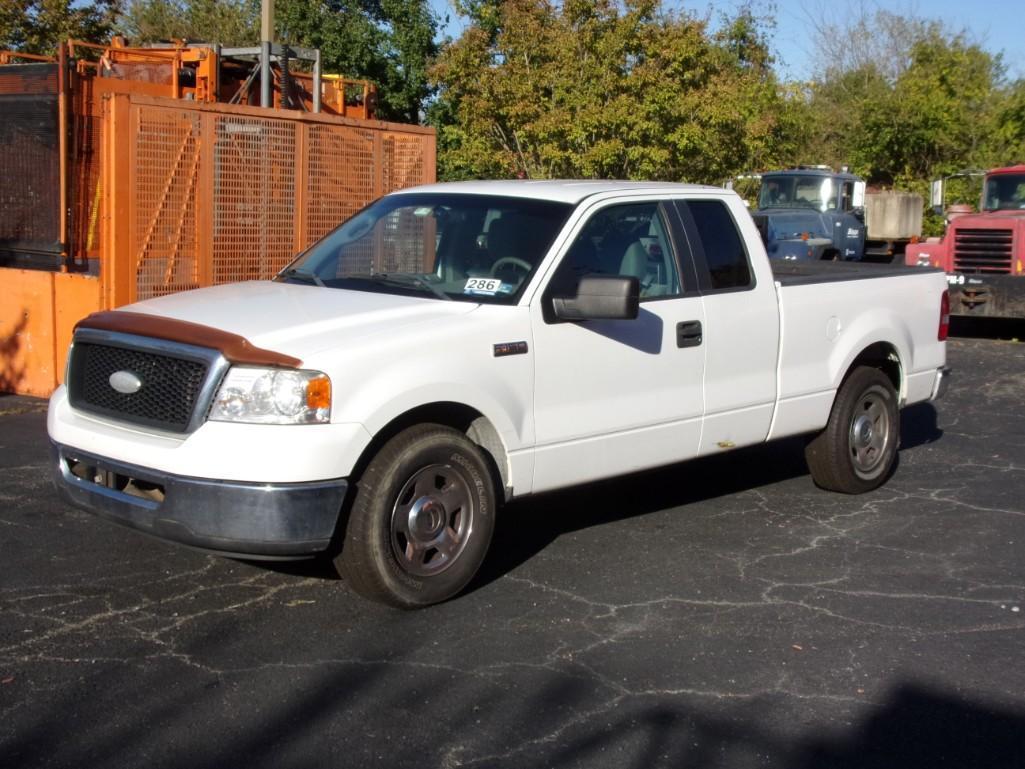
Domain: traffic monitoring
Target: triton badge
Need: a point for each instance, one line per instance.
(510, 348)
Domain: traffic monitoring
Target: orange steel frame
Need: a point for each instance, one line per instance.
(178, 193)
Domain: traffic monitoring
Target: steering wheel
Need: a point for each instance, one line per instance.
(512, 261)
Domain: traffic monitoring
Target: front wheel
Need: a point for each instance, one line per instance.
(422, 519)
(856, 451)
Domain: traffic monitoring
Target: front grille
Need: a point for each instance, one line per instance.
(172, 387)
(986, 251)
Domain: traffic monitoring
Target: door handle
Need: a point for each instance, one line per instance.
(688, 333)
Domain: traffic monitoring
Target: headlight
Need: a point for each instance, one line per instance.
(273, 397)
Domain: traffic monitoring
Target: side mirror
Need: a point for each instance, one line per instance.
(858, 198)
(936, 194)
(600, 297)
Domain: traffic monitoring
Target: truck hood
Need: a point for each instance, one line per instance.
(300, 320)
(987, 219)
(786, 223)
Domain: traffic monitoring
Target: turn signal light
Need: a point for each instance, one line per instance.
(318, 393)
(944, 329)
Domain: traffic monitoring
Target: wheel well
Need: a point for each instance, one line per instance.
(884, 357)
(458, 416)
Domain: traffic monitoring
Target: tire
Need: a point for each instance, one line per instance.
(857, 449)
(422, 519)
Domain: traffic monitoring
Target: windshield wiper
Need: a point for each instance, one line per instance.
(298, 274)
(409, 279)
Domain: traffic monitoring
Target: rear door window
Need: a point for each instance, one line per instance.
(720, 257)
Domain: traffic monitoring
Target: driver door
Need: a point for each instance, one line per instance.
(612, 396)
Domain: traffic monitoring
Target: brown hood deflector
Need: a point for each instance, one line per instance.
(235, 348)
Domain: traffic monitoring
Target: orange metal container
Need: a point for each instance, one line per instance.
(168, 194)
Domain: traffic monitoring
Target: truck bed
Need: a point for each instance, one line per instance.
(805, 273)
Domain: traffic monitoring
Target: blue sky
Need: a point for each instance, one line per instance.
(998, 25)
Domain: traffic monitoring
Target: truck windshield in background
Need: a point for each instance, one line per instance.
(464, 247)
(1004, 192)
(797, 192)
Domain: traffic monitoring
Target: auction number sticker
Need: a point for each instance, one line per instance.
(488, 286)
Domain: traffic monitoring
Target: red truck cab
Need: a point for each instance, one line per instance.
(983, 254)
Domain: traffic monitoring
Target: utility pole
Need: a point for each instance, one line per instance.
(266, 38)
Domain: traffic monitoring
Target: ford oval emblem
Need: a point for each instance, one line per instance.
(125, 382)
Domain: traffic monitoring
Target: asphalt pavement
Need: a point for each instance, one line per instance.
(723, 613)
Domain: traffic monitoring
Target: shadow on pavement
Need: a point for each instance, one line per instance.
(919, 425)
(918, 728)
(915, 727)
(525, 527)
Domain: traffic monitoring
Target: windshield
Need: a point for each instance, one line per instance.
(478, 248)
(797, 192)
(1004, 192)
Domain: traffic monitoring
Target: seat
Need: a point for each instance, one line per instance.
(635, 262)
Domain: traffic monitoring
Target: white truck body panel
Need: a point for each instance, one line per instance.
(589, 399)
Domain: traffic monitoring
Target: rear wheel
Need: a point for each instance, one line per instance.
(856, 451)
(422, 519)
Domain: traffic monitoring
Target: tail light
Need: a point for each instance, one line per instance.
(944, 328)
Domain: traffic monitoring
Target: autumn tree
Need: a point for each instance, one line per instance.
(600, 89)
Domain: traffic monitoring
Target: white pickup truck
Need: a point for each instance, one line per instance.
(452, 346)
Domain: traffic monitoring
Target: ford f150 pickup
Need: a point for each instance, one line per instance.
(453, 346)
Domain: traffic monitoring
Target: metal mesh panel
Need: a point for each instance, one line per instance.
(87, 192)
(213, 193)
(397, 244)
(340, 177)
(29, 159)
(254, 197)
(166, 176)
(403, 161)
(28, 79)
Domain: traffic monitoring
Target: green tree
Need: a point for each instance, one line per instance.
(37, 26)
(929, 108)
(596, 88)
(389, 42)
(1010, 135)
(939, 116)
(229, 22)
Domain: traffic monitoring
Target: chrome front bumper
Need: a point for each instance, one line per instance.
(261, 520)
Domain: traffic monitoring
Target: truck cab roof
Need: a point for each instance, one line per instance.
(813, 171)
(561, 190)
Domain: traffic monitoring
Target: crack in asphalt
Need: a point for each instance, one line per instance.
(769, 580)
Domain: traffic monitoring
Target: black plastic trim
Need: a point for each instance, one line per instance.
(807, 273)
